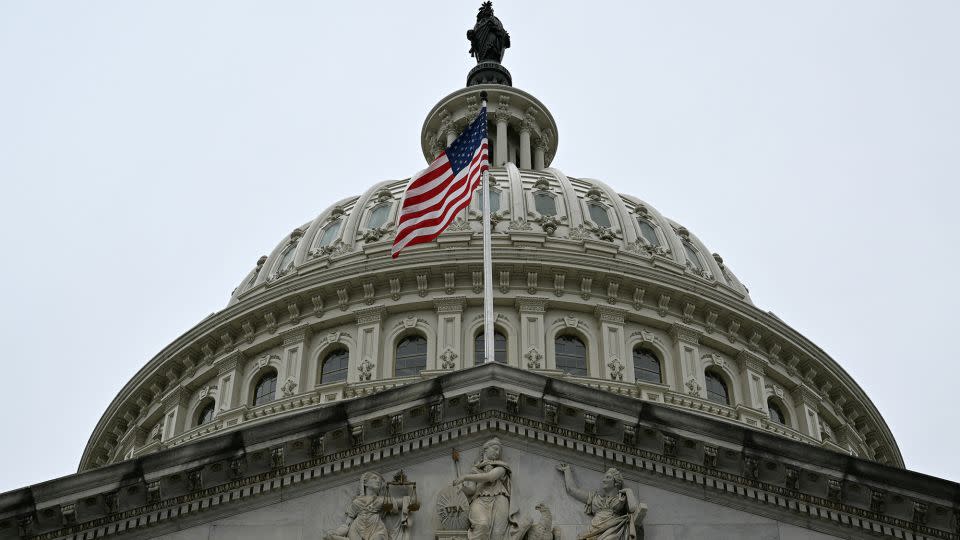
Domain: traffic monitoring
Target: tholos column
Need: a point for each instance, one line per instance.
(451, 136)
(500, 152)
(538, 155)
(525, 161)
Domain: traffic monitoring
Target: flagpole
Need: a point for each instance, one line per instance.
(488, 351)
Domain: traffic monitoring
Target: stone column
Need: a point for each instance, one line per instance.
(368, 364)
(500, 152)
(689, 378)
(807, 410)
(525, 159)
(292, 366)
(230, 369)
(613, 345)
(449, 324)
(539, 150)
(451, 135)
(532, 333)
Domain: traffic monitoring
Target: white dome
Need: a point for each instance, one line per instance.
(589, 219)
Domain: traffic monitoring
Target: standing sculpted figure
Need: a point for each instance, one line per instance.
(364, 520)
(487, 487)
(616, 513)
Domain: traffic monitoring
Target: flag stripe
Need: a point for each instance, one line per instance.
(415, 206)
(438, 193)
(434, 215)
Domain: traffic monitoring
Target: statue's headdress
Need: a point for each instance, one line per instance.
(486, 10)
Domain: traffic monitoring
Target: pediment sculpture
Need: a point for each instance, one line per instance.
(615, 512)
(486, 491)
(366, 518)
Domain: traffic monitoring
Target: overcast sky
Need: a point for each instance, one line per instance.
(150, 152)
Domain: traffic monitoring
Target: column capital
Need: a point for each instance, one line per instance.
(450, 304)
(297, 335)
(370, 315)
(230, 362)
(807, 395)
(611, 315)
(531, 305)
(752, 361)
(682, 332)
(178, 396)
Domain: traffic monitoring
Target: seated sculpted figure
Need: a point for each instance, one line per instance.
(617, 515)
(364, 520)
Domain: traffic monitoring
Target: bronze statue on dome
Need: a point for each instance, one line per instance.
(488, 39)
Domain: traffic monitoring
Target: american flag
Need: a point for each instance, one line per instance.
(439, 192)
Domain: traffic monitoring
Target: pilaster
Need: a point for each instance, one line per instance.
(807, 410)
(175, 412)
(532, 333)
(367, 365)
(293, 370)
(613, 345)
(690, 379)
(753, 379)
(229, 370)
(449, 331)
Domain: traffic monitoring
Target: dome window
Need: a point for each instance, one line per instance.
(206, 412)
(330, 233)
(646, 367)
(599, 215)
(411, 356)
(649, 233)
(693, 257)
(776, 413)
(378, 216)
(499, 348)
(545, 204)
(571, 355)
(716, 388)
(286, 262)
(335, 365)
(494, 200)
(266, 389)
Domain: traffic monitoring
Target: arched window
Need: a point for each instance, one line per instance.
(286, 262)
(411, 356)
(378, 216)
(499, 348)
(545, 204)
(693, 257)
(330, 233)
(334, 368)
(571, 354)
(266, 389)
(776, 413)
(599, 215)
(649, 233)
(646, 367)
(494, 200)
(205, 412)
(717, 389)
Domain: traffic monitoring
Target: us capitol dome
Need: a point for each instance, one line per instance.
(621, 339)
(591, 286)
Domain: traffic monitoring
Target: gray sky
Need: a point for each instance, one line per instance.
(150, 152)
